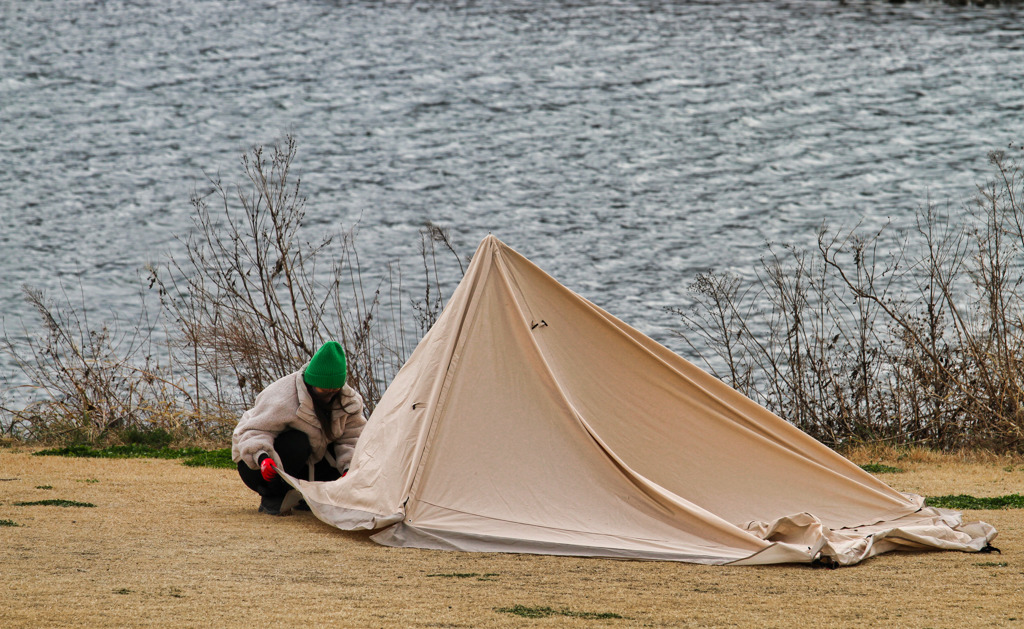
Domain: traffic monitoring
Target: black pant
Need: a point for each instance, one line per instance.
(292, 446)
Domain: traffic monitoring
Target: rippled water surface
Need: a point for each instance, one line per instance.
(621, 146)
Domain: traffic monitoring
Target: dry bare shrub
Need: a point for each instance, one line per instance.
(90, 382)
(906, 339)
(253, 298)
(249, 301)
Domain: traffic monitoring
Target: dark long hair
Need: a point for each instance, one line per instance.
(323, 412)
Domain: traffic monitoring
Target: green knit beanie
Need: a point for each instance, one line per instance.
(327, 370)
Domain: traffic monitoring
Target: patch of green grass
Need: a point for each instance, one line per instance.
(157, 437)
(214, 458)
(44, 486)
(193, 457)
(963, 501)
(544, 612)
(88, 480)
(123, 591)
(527, 612)
(8, 523)
(879, 468)
(992, 564)
(53, 503)
(487, 576)
(131, 451)
(175, 592)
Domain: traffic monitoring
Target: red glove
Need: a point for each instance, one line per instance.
(268, 469)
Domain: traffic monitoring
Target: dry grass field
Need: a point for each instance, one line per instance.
(169, 545)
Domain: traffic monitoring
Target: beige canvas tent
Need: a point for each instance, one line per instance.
(529, 420)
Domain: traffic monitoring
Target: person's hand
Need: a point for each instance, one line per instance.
(268, 469)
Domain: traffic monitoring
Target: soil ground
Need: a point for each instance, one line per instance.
(169, 545)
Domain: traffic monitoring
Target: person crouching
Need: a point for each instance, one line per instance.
(306, 423)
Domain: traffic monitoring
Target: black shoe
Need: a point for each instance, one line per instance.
(270, 505)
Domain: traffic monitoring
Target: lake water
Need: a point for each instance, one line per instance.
(622, 146)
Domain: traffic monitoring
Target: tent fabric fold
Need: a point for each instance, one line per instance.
(529, 420)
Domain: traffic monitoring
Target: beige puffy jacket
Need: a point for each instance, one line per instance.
(287, 404)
